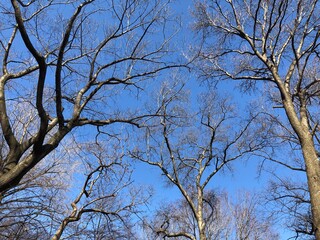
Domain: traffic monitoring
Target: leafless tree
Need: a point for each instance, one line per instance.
(190, 148)
(224, 219)
(92, 198)
(32, 209)
(289, 201)
(69, 62)
(275, 43)
(286, 196)
(38, 207)
(106, 200)
(249, 222)
(178, 217)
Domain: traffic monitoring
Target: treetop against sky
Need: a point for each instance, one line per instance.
(101, 99)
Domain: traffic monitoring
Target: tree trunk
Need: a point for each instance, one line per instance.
(200, 220)
(60, 230)
(313, 175)
(201, 226)
(301, 127)
(202, 234)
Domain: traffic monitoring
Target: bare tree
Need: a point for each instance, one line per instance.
(190, 148)
(178, 217)
(38, 207)
(67, 61)
(32, 209)
(289, 201)
(107, 201)
(98, 188)
(224, 219)
(287, 196)
(275, 43)
(249, 222)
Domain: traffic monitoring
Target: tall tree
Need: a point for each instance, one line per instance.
(68, 61)
(191, 147)
(276, 43)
